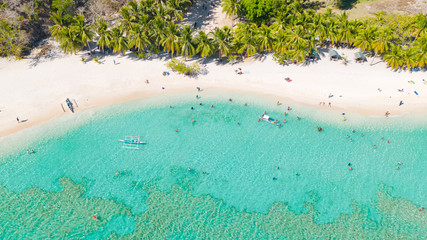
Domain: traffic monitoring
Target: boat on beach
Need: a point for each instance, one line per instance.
(70, 105)
(269, 119)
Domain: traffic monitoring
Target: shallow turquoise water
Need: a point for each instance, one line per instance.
(232, 157)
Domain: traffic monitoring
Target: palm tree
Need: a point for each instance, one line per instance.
(382, 43)
(365, 37)
(279, 24)
(299, 53)
(394, 57)
(420, 46)
(204, 44)
(243, 30)
(222, 39)
(119, 43)
(265, 38)
(58, 19)
(157, 30)
(420, 25)
(248, 45)
(230, 7)
(281, 43)
(408, 59)
(104, 35)
(127, 20)
(69, 43)
(170, 40)
(138, 38)
(83, 31)
(296, 36)
(174, 14)
(186, 42)
(347, 29)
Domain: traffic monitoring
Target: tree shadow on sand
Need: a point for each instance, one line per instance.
(201, 14)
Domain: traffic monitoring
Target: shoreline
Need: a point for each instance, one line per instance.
(27, 85)
(62, 123)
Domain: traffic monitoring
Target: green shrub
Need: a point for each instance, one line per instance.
(182, 68)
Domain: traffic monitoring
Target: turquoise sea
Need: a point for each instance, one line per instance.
(224, 175)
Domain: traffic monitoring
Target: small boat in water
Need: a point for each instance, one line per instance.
(70, 105)
(131, 141)
(269, 119)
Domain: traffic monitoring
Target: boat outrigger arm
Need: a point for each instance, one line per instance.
(70, 105)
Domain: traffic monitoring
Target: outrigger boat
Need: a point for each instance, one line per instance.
(70, 105)
(269, 119)
(131, 141)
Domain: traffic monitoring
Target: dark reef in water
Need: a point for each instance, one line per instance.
(35, 214)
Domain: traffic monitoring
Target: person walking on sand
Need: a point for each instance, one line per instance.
(17, 119)
(329, 104)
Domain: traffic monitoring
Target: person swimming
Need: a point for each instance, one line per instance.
(192, 108)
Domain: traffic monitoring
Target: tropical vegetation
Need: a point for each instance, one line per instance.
(289, 29)
(181, 67)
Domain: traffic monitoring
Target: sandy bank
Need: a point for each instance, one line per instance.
(33, 90)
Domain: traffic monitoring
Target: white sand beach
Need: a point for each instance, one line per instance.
(34, 90)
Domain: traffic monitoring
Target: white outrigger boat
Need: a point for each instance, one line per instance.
(269, 119)
(132, 142)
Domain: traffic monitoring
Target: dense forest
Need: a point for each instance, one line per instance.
(290, 29)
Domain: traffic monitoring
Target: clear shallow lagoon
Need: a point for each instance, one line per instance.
(230, 191)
